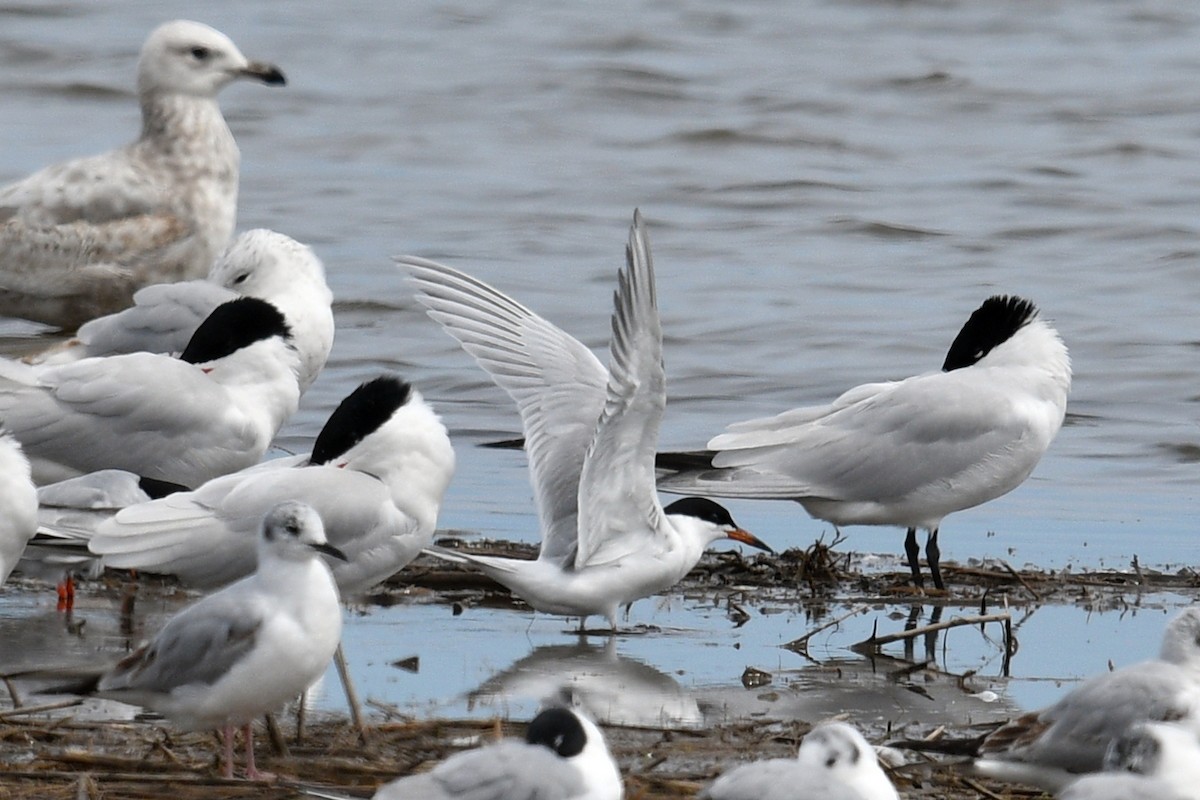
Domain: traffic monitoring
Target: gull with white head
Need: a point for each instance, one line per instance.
(78, 238)
(245, 650)
(834, 762)
(18, 504)
(1159, 760)
(259, 263)
(591, 435)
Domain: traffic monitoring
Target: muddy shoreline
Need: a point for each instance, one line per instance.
(52, 753)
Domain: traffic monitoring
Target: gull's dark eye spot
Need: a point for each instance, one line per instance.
(241, 278)
(293, 529)
(200, 53)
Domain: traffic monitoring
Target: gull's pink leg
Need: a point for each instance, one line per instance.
(227, 769)
(252, 773)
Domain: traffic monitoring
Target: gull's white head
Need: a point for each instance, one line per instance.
(576, 738)
(190, 58)
(294, 531)
(840, 752)
(267, 264)
(276, 268)
(1181, 641)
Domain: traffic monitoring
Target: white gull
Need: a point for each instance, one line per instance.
(258, 263)
(78, 238)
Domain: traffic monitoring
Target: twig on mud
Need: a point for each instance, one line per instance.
(801, 645)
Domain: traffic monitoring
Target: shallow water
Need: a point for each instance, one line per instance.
(831, 187)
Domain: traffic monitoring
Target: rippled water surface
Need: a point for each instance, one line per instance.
(831, 188)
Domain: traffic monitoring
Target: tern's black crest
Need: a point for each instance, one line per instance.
(232, 326)
(991, 325)
(702, 508)
(358, 416)
(559, 730)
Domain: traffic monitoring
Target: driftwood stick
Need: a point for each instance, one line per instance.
(887, 638)
(26, 710)
(801, 644)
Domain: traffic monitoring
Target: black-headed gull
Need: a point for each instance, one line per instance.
(212, 411)
(243, 651)
(258, 263)
(908, 452)
(377, 474)
(834, 762)
(591, 435)
(563, 757)
(78, 238)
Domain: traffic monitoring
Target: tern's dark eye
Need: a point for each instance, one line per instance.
(241, 278)
(200, 53)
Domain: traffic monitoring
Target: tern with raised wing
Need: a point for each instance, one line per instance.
(591, 435)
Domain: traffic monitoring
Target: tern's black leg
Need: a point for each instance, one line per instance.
(913, 550)
(933, 556)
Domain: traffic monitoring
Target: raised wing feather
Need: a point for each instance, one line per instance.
(618, 503)
(556, 382)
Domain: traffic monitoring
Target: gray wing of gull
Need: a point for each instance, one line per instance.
(777, 779)
(557, 383)
(162, 319)
(1074, 733)
(619, 505)
(508, 770)
(199, 645)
